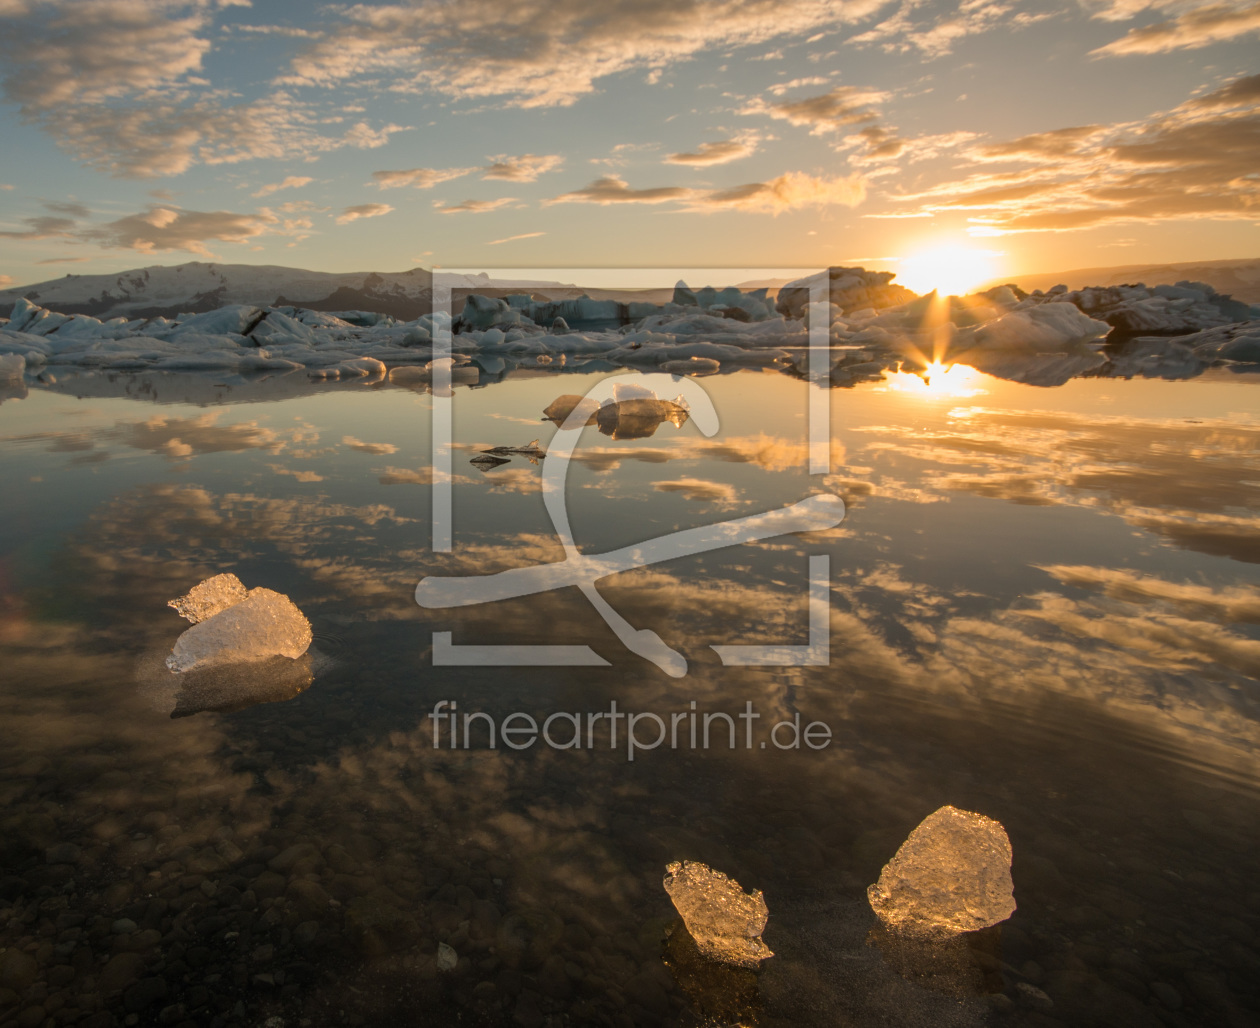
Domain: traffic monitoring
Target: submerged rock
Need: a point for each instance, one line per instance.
(725, 922)
(264, 624)
(205, 599)
(951, 875)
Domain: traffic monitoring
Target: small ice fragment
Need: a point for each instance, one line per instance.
(562, 406)
(952, 874)
(265, 624)
(447, 958)
(692, 366)
(725, 921)
(12, 367)
(207, 598)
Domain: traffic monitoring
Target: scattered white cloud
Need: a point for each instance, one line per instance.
(376, 449)
(790, 191)
(613, 189)
(172, 228)
(828, 112)
(474, 206)
(290, 182)
(41, 227)
(525, 168)
(362, 210)
(6, 280)
(513, 239)
(1196, 161)
(121, 85)
(418, 178)
(936, 35)
(1190, 30)
(559, 48)
(721, 151)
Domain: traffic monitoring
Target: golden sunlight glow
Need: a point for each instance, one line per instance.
(937, 381)
(951, 270)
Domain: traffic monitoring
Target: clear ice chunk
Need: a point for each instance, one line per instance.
(207, 598)
(951, 875)
(725, 922)
(265, 624)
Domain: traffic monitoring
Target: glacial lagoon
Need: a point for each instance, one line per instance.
(1044, 607)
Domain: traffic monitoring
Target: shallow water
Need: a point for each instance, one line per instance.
(1044, 607)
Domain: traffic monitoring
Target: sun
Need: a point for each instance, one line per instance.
(950, 270)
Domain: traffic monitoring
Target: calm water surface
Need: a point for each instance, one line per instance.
(1045, 607)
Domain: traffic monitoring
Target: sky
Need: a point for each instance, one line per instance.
(1037, 136)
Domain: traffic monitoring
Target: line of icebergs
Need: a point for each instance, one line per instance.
(1170, 331)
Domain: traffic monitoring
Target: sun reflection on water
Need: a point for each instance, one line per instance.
(937, 381)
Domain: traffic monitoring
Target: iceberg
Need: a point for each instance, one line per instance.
(12, 367)
(725, 922)
(951, 875)
(265, 624)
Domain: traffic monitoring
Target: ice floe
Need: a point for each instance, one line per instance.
(872, 326)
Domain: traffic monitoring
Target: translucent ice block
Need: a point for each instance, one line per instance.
(266, 624)
(207, 598)
(725, 921)
(952, 874)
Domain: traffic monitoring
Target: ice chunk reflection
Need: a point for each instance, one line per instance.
(224, 688)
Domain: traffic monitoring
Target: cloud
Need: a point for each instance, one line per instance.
(301, 476)
(719, 152)
(827, 112)
(121, 85)
(45, 226)
(1196, 161)
(1239, 604)
(788, 192)
(6, 280)
(64, 260)
(376, 449)
(1241, 92)
(475, 206)
(698, 489)
(1196, 28)
(902, 33)
(362, 210)
(613, 189)
(68, 208)
(513, 239)
(363, 137)
(525, 168)
(290, 182)
(171, 228)
(559, 48)
(418, 178)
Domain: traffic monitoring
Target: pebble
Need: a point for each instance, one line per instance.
(447, 958)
